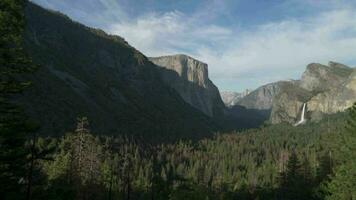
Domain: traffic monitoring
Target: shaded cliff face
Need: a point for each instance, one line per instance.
(86, 72)
(189, 77)
(325, 89)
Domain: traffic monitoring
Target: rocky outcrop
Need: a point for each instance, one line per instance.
(325, 89)
(288, 103)
(262, 97)
(189, 77)
(232, 98)
(319, 78)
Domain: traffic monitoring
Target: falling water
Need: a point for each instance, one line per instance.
(302, 118)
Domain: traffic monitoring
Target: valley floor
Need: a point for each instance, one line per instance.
(272, 162)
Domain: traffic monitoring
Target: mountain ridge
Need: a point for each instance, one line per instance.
(85, 71)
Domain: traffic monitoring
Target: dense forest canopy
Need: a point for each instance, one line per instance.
(311, 161)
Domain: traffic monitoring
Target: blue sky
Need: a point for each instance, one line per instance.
(246, 43)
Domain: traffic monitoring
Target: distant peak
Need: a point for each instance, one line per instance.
(331, 64)
(315, 65)
(337, 65)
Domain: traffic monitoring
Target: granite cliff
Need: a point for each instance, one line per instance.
(189, 77)
(325, 89)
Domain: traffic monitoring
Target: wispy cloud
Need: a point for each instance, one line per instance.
(290, 44)
(279, 49)
(172, 32)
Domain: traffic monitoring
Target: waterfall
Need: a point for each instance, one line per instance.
(302, 117)
(303, 112)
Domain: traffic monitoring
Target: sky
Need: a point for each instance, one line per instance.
(246, 43)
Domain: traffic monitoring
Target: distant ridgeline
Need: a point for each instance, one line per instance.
(323, 89)
(86, 72)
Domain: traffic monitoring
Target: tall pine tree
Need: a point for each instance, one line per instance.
(13, 124)
(296, 178)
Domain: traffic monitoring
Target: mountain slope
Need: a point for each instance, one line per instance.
(232, 98)
(189, 77)
(262, 97)
(325, 89)
(84, 71)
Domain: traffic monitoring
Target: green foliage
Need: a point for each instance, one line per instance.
(14, 125)
(245, 165)
(343, 183)
(297, 181)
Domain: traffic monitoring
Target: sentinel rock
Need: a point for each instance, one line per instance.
(189, 77)
(325, 89)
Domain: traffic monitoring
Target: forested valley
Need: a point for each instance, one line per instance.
(273, 162)
(312, 161)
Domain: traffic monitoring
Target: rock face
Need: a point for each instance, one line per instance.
(262, 97)
(86, 72)
(319, 78)
(254, 108)
(189, 77)
(325, 89)
(232, 98)
(287, 104)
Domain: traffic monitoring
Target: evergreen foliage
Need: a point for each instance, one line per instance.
(343, 183)
(266, 163)
(14, 125)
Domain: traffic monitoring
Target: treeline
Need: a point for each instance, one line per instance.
(276, 162)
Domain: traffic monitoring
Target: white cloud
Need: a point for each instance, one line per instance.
(280, 49)
(168, 33)
(290, 45)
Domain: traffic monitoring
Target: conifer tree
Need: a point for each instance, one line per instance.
(14, 124)
(292, 180)
(325, 168)
(343, 183)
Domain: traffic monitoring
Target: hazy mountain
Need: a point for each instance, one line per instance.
(85, 71)
(325, 89)
(232, 98)
(262, 97)
(189, 77)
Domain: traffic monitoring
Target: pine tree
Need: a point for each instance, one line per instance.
(14, 124)
(325, 168)
(86, 155)
(307, 181)
(343, 183)
(292, 179)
